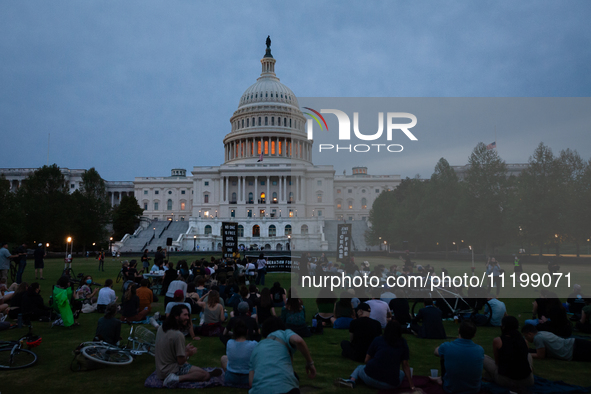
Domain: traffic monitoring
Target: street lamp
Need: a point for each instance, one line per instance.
(69, 245)
(194, 242)
(111, 245)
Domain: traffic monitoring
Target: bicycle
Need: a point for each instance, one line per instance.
(12, 354)
(13, 270)
(140, 341)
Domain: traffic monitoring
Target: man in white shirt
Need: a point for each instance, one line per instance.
(106, 296)
(380, 310)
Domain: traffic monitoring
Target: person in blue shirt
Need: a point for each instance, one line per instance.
(461, 362)
(271, 362)
(237, 358)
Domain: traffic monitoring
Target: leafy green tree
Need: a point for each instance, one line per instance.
(47, 205)
(11, 215)
(485, 206)
(539, 204)
(92, 209)
(574, 196)
(126, 217)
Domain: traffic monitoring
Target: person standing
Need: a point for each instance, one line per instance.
(261, 269)
(5, 257)
(39, 255)
(101, 259)
(146, 261)
(22, 263)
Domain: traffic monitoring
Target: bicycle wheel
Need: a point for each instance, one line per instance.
(119, 277)
(11, 358)
(106, 355)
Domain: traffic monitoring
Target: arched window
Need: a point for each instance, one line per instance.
(272, 121)
(278, 121)
(350, 204)
(240, 230)
(291, 196)
(274, 197)
(247, 122)
(233, 197)
(339, 205)
(279, 247)
(288, 229)
(319, 197)
(284, 122)
(208, 230)
(259, 120)
(304, 229)
(290, 122)
(156, 206)
(266, 121)
(253, 123)
(272, 230)
(169, 205)
(242, 123)
(364, 203)
(256, 231)
(250, 198)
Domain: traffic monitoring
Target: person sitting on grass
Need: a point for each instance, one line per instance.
(62, 297)
(133, 274)
(495, 309)
(265, 309)
(293, 315)
(242, 316)
(549, 345)
(108, 328)
(432, 327)
(106, 296)
(380, 310)
(461, 362)
(17, 299)
(130, 308)
(383, 360)
(213, 315)
(238, 351)
(584, 324)
(278, 294)
(512, 365)
(343, 312)
(400, 309)
(271, 361)
(362, 332)
(326, 304)
(146, 295)
(85, 293)
(177, 284)
(33, 305)
(171, 353)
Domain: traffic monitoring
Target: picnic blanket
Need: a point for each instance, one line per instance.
(541, 386)
(154, 382)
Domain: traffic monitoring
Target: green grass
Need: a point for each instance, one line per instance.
(52, 373)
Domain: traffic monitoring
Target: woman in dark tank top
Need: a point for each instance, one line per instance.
(512, 365)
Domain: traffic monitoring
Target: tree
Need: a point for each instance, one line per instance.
(47, 205)
(11, 215)
(441, 206)
(126, 217)
(92, 209)
(486, 187)
(539, 198)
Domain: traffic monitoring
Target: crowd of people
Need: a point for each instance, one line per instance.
(223, 297)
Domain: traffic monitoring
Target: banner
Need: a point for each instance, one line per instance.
(229, 238)
(343, 241)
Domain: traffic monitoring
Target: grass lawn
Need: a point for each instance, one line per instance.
(52, 373)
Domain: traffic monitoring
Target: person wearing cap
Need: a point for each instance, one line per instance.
(39, 254)
(252, 334)
(362, 332)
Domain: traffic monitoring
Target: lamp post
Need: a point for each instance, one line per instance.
(194, 242)
(111, 245)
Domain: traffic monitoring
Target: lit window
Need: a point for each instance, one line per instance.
(338, 191)
(363, 203)
(182, 206)
(350, 204)
(339, 205)
(291, 214)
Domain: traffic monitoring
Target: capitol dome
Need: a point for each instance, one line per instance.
(268, 121)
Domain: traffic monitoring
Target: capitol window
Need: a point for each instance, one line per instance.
(250, 198)
(155, 206)
(207, 230)
(272, 119)
(339, 205)
(363, 203)
(182, 192)
(169, 205)
(378, 191)
(319, 213)
(169, 192)
(278, 121)
(182, 206)
(319, 197)
(274, 183)
(259, 120)
(156, 192)
(145, 206)
(206, 183)
(319, 182)
(272, 231)
(362, 190)
(247, 122)
(240, 230)
(350, 191)
(242, 123)
(266, 94)
(206, 198)
(288, 229)
(338, 191)
(233, 213)
(233, 198)
(304, 229)
(266, 121)
(350, 204)
(290, 123)
(249, 213)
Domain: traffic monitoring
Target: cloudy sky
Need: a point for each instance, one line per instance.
(135, 88)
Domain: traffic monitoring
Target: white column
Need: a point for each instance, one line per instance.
(244, 189)
(279, 195)
(226, 191)
(256, 189)
(267, 197)
(297, 182)
(239, 194)
(285, 196)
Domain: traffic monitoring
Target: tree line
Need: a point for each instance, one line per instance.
(548, 203)
(43, 210)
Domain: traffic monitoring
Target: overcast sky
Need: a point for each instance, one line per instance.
(135, 88)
